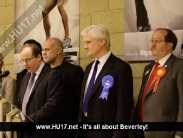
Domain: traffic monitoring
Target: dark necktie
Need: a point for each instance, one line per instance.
(27, 93)
(90, 87)
(148, 85)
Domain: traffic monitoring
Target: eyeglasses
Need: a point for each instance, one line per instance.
(156, 41)
(27, 60)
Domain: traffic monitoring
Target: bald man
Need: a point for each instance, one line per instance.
(73, 76)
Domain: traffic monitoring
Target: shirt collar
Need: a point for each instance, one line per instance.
(104, 58)
(164, 59)
(40, 68)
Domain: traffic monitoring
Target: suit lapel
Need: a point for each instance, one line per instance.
(24, 84)
(62, 67)
(40, 77)
(146, 74)
(168, 64)
(107, 66)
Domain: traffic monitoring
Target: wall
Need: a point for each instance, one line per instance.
(7, 11)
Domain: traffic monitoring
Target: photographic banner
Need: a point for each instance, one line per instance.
(142, 17)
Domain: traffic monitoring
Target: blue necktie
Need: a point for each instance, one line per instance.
(90, 87)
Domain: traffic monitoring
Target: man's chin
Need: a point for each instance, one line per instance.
(90, 55)
(30, 71)
(153, 53)
(48, 62)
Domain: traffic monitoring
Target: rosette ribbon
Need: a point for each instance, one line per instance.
(159, 73)
(107, 83)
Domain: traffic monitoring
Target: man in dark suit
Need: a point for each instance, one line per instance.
(21, 74)
(40, 91)
(163, 101)
(72, 76)
(110, 99)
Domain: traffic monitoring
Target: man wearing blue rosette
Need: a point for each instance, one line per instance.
(107, 89)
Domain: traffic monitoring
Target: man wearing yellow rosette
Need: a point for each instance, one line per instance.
(161, 93)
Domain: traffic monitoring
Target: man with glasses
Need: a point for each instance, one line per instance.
(22, 73)
(161, 93)
(40, 91)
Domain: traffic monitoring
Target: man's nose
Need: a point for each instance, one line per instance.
(85, 46)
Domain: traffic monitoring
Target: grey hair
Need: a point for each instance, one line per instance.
(98, 32)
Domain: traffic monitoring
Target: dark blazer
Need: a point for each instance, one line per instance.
(117, 108)
(69, 107)
(19, 77)
(45, 99)
(72, 76)
(166, 105)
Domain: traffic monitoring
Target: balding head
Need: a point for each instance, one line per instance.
(53, 51)
(54, 42)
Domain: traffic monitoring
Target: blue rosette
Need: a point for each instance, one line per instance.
(107, 83)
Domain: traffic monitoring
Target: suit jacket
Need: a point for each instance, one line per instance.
(69, 107)
(19, 78)
(166, 105)
(45, 99)
(8, 89)
(72, 76)
(117, 107)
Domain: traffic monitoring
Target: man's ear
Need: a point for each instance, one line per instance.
(39, 57)
(103, 42)
(170, 45)
(59, 50)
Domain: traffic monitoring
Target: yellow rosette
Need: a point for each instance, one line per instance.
(160, 73)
